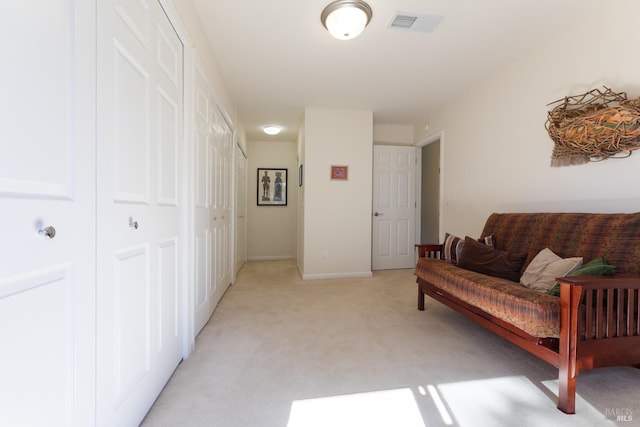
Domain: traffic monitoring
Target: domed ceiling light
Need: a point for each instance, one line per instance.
(272, 130)
(346, 19)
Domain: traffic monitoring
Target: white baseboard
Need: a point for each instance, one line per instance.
(354, 275)
(270, 258)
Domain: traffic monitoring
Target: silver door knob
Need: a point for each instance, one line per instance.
(133, 224)
(377, 214)
(48, 232)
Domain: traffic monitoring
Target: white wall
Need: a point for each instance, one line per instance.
(271, 230)
(393, 134)
(496, 150)
(190, 20)
(337, 214)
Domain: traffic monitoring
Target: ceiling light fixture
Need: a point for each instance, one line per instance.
(272, 130)
(346, 19)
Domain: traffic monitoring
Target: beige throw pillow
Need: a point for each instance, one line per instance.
(545, 267)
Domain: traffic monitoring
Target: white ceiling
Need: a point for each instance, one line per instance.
(276, 58)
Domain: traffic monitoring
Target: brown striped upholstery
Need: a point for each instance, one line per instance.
(536, 313)
(613, 236)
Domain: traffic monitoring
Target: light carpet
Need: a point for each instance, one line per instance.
(283, 352)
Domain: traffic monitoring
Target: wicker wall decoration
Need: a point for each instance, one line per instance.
(594, 126)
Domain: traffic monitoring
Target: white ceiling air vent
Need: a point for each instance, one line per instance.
(414, 22)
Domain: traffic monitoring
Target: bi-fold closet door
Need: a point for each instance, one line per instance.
(240, 225)
(213, 199)
(139, 207)
(92, 255)
(47, 207)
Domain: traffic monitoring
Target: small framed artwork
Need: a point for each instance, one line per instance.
(272, 187)
(340, 172)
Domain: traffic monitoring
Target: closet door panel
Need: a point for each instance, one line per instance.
(213, 199)
(47, 179)
(168, 153)
(139, 219)
(131, 157)
(204, 199)
(168, 311)
(132, 340)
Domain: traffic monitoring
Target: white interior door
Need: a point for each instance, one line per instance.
(47, 179)
(394, 207)
(213, 176)
(203, 199)
(241, 209)
(140, 83)
(221, 213)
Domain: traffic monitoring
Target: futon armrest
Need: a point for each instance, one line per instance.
(431, 250)
(598, 307)
(602, 282)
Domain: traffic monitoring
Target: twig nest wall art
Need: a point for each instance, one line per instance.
(594, 126)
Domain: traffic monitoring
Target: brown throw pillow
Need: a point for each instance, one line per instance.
(452, 246)
(484, 259)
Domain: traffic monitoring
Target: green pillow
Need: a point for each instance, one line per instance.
(595, 267)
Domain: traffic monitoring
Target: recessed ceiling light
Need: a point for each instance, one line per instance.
(272, 130)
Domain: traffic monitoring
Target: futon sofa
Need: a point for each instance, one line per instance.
(592, 323)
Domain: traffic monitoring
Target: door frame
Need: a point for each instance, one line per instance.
(437, 137)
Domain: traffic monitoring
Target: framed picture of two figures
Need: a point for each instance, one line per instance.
(272, 187)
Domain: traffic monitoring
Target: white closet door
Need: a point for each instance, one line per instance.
(241, 208)
(47, 179)
(221, 213)
(138, 261)
(203, 171)
(212, 203)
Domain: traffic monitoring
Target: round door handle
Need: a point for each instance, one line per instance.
(377, 214)
(133, 224)
(48, 232)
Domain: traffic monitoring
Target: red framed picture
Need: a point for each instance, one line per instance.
(340, 172)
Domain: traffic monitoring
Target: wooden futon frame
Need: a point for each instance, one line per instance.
(599, 325)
